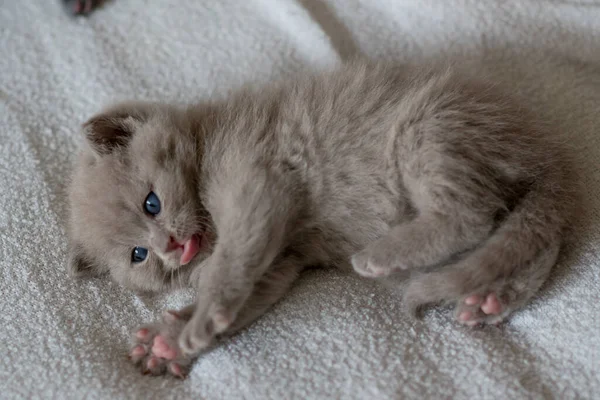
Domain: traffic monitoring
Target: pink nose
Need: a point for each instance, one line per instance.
(172, 244)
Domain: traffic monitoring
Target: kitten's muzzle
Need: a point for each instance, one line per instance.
(173, 245)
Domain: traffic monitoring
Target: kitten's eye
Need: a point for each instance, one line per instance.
(139, 254)
(152, 204)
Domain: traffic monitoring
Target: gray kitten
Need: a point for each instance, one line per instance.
(421, 173)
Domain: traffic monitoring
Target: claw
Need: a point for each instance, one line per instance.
(177, 371)
(142, 334)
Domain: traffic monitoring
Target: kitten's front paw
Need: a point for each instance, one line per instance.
(155, 347)
(206, 323)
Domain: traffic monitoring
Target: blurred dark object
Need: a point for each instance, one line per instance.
(81, 7)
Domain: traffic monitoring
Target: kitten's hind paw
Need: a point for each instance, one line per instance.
(368, 266)
(479, 309)
(155, 347)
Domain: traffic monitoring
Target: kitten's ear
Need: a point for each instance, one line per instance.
(80, 265)
(113, 128)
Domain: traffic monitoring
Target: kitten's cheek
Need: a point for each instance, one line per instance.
(206, 241)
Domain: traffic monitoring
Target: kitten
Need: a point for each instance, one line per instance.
(389, 171)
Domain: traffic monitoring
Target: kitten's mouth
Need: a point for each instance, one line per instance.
(191, 248)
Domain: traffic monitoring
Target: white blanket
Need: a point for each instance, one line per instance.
(334, 336)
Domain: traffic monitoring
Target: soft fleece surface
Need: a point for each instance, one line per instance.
(334, 336)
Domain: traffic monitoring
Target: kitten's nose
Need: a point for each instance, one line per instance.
(172, 244)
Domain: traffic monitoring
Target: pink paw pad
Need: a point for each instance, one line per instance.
(465, 316)
(480, 309)
(491, 305)
(142, 334)
(161, 349)
(152, 363)
(176, 370)
(472, 300)
(137, 353)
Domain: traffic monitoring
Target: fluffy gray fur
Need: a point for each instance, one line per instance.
(389, 171)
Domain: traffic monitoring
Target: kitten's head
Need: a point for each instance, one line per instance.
(135, 198)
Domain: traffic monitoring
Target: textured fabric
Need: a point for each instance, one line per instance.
(334, 336)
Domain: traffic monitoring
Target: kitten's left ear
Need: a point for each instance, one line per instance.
(113, 128)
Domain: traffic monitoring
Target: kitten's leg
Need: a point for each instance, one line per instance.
(488, 296)
(425, 241)
(449, 221)
(455, 189)
(267, 291)
(492, 303)
(155, 346)
(254, 212)
(501, 275)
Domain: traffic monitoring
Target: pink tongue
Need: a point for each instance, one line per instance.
(190, 249)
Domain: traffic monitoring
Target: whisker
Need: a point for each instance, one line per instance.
(179, 278)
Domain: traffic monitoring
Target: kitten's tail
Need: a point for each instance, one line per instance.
(519, 253)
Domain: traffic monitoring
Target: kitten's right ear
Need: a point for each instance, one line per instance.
(113, 128)
(80, 265)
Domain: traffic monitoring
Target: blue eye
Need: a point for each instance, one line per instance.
(152, 204)
(139, 254)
